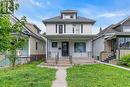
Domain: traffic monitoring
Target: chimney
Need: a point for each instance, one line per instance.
(100, 29)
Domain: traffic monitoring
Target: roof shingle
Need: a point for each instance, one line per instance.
(58, 19)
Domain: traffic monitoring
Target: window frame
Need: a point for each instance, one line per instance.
(82, 28)
(124, 42)
(36, 45)
(126, 28)
(84, 47)
(54, 46)
(60, 29)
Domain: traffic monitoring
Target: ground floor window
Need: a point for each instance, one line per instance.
(54, 44)
(124, 42)
(79, 47)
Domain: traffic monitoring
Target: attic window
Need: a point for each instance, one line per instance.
(71, 16)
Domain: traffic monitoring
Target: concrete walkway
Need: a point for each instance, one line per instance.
(60, 78)
(121, 67)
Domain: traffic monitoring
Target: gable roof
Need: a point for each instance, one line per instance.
(122, 21)
(109, 29)
(31, 24)
(58, 19)
(112, 27)
(29, 32)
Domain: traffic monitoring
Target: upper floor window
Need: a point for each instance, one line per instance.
(76, 29)
(126, 28)
(71, 16)
(56, 28)
(73, 29)
(60, 29)
(81, 28)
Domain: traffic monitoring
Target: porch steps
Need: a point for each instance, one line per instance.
(59, 65)
(52, 62)
(66, 62)
(110, 59)
(114, 61)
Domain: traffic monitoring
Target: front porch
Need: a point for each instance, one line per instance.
(69, 62)
(116, 46)
(68, 49)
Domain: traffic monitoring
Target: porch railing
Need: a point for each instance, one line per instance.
(57, 58)
(70, 59)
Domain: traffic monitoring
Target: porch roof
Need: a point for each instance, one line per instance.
(122, 34)
(115, 35)
(70, 36)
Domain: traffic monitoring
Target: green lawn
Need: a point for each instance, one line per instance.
(28, 75)
(97, 75)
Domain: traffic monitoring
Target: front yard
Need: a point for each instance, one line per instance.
(28, 75)
(97, 75)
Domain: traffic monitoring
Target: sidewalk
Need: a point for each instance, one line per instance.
(60, 78)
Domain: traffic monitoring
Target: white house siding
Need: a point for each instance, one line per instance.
(87, 28)
(51, 29)
(31, 28)
(41, 46)
(69, 29)
(54, 51)
(98, 46)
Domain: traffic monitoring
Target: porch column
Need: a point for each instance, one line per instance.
(71, 47)
(46, 49)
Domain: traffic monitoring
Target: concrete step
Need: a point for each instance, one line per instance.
(74, 61)
(60, 61)
(114, 61)
(53, 64)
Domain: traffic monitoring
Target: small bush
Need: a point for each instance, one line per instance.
(125, 60)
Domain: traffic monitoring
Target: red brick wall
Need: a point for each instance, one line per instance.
(37, 57)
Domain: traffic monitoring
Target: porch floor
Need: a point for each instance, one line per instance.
(66, 62)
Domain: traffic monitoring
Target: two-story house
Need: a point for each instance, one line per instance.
(113, 42)
(34, 47)
(69, 35)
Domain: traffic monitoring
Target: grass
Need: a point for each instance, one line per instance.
(97, 75)
(28, 75)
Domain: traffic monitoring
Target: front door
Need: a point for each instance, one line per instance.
(65, 48)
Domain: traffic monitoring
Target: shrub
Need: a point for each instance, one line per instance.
(125, 60)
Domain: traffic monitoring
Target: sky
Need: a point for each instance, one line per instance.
(104, 12)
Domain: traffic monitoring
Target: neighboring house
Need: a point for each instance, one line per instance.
(34, 48)
(113, 42)
(69, 35)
